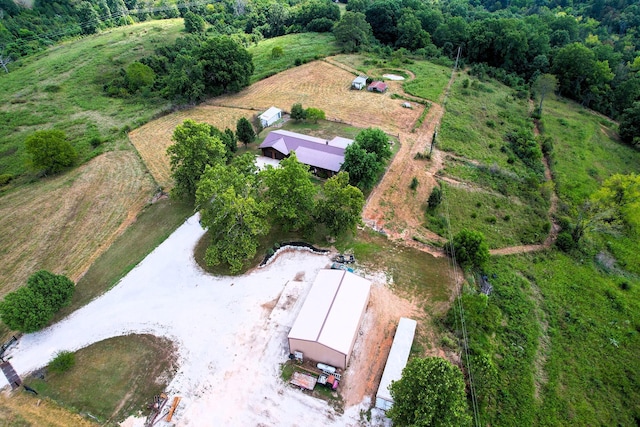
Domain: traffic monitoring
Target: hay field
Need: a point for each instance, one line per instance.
(63, 224)
(325, 86)
(152, 139)
(316, 84)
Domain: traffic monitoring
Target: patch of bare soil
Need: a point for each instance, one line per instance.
(372, 347)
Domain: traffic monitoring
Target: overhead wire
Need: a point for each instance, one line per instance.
(458, 305)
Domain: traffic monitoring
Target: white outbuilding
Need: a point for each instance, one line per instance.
(397, 360)
(359, 83)
(269, 117)
(329, 321)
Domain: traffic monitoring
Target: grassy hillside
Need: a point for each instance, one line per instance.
(302, 47)
(556, 343)
(61, 88)
(490, 189)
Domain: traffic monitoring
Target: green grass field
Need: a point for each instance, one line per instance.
(61, 88)
(505, 221)
(477, 120)
(114, 378)
(585, 152)
(573, 343)
(430, 81)
(306, 47)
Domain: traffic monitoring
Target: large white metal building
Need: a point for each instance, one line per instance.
(397, 360)
(328, 323)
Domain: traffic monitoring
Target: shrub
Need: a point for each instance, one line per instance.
(95, 141)
(565, 241)
(31, 307)
(414, 183)
(62, 362)
(491, 124)
(491, 219)
(277, 52)
(470, 249)
(297, 112)
(435, 198)
(5, 178)
(298, 62)
(507, 218)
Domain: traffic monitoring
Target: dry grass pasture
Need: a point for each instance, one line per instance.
(153, 139)
(64, 223)
(316, 84)
(23, 409)
(323, 85)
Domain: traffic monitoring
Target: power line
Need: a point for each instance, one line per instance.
(458, 306)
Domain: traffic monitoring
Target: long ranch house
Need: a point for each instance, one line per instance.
(324, 157)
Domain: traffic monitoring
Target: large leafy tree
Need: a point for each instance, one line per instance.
(429, 394)
(374, 140)
(289, 193)
(352, 32)
(410, 33)
(232, 214)
(194, 149)
(227, 65)
(580, 75)
(193, 23)
(50, 151)
(469, 248)
(362, 167)
(31, 307)
(340, 205)
(383, 17)
(630, 125)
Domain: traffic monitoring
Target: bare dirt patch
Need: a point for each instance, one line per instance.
(63, 224)
(153, 139)
(372, 348)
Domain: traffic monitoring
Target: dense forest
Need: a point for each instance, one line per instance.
(590, 46)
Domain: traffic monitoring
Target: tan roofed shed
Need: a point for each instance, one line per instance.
(328, 323)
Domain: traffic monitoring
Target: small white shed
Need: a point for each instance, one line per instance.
(359, 83)
(270, 116)
(397, 360)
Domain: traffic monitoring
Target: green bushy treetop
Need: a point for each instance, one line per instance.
(31, 307)
(289, 193)
(50, 151)
(430, 393)
(245, 132)
(470, 249)
(193, 150)
(340, 205)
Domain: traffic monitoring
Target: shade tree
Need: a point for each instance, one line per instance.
(232, 214)
(289, 193)
(340, 205)
(194, 148)
(49, 151)
(431, 392)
